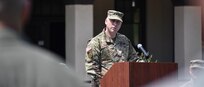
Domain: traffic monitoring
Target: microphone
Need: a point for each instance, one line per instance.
(139, 46)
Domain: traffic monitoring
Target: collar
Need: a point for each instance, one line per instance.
(107, 39)
(8, 34)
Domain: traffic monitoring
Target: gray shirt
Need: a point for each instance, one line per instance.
(25, 65)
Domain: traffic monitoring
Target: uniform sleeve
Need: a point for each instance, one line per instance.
(92, 61)
(133, 55)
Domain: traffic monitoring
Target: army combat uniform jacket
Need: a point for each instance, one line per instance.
(102, 52)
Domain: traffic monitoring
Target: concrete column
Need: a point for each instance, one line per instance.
(187, 35)
(79, 28)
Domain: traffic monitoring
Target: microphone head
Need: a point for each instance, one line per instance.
(139, 45)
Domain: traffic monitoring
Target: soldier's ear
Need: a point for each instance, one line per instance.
(105, 21)
(26, 11)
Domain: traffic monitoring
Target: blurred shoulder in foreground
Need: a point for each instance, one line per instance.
(23, 64)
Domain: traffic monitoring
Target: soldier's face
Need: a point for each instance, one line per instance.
(113, 25)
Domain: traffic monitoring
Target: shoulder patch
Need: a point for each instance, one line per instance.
(88, 49)
(89, 52)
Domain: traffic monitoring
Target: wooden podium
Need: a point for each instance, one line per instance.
(132, 74)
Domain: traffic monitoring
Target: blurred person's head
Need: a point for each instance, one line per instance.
(14, 13)
(196, 68)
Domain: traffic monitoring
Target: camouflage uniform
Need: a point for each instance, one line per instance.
(102, 52)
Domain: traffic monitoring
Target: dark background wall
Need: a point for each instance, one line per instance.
(46, 27)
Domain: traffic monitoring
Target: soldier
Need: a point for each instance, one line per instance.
(107, 48)
(23, 64)
(196, 70)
